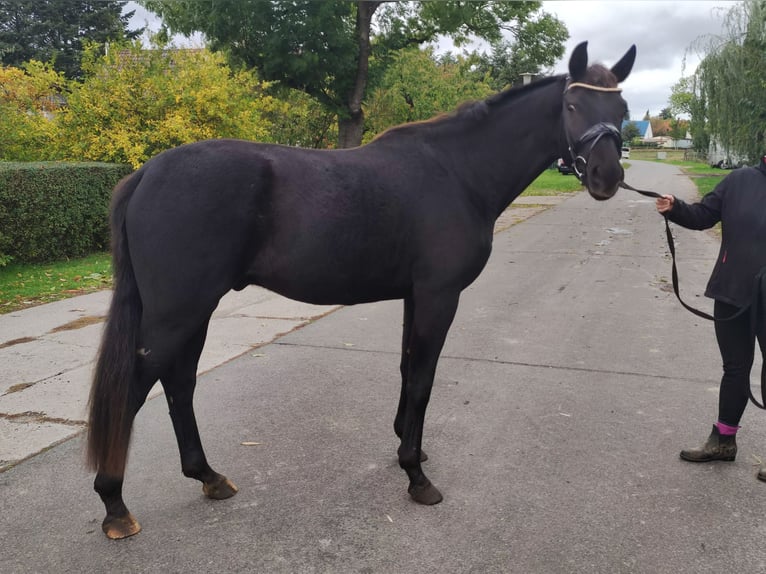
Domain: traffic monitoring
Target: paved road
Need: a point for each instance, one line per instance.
(569, 382)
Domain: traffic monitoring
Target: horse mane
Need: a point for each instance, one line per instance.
(471, 111)
(477, 110)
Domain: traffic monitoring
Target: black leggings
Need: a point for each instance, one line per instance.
(737, 347)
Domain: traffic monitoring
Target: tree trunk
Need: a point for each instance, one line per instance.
(351, 127)
(350, 130)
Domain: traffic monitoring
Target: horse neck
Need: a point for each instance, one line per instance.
(498, 156)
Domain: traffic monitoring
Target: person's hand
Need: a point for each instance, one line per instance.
(665, 203)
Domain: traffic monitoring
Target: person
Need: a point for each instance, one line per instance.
(739, 203)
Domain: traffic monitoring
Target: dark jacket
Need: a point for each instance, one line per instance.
(739, 203)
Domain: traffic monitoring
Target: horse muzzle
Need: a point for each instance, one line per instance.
(596, 160)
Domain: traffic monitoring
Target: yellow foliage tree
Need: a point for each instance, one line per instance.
(135, 103)
(30, 98)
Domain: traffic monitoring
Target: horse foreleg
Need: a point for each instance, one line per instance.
(431, 319)
(404, 367)
(179, 384)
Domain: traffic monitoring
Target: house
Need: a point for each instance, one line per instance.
(668, 142)
(644, 128)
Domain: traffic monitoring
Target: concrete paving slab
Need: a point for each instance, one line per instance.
(25, 436)
(63, 396)
(87, 336)
(35, 361)
(37, 321)
(229, 337)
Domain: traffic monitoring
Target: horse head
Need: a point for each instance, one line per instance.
(592, 111)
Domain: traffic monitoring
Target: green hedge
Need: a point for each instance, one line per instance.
(55, 210)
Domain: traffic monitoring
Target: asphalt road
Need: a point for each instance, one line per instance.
(570, 380)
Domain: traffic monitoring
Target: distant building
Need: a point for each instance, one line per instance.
(644, 128)
(668, 142)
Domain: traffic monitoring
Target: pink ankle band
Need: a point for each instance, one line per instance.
(725, 429)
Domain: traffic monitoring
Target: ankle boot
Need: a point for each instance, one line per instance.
(717, 447)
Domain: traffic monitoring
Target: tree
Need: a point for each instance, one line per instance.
(135, 103)
(55, 30)
(685, 99)
(630, 132)
(728, 84)
(29, 100)
(532, 53)
(660, 127)
(417, 87)
(325, 48)
(678, 128)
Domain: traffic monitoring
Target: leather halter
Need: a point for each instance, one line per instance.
(591, 135)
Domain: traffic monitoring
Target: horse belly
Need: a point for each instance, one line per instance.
(318, 273)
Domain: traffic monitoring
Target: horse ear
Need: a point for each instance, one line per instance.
(578, 62)
(622, 68)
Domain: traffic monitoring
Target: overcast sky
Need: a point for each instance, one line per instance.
(663, 31)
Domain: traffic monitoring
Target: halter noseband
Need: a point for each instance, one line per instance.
(591, 135)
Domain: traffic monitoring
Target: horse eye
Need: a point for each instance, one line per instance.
(571, 107)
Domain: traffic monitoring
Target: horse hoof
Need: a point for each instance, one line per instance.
(117, 528)
(220, 489)
(423, 456)
(426, 494)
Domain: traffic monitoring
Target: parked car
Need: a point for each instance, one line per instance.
(625, 154)
(564, 168)
(727, 164)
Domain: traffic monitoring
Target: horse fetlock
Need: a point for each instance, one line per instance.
(201, 472)
(108, 486)
(409, 459)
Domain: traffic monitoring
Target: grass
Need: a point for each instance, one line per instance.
(28, 284)
(551, 182)
(703, 176)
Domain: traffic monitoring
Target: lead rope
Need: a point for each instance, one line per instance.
(760, 284)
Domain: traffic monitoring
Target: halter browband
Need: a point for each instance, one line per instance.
(592, 87)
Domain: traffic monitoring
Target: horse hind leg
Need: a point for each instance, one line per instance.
(157, 354)
(179, 383)
(119, 522)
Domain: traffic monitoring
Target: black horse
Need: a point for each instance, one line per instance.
(409, 216)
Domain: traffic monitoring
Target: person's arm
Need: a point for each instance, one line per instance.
(703, 214)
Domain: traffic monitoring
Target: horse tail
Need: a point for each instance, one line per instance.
(109, 420)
